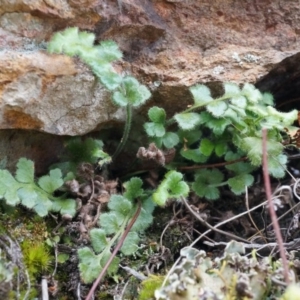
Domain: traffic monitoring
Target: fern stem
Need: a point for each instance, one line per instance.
(125, 133)
(118, 247)
(272, 212)
(216, 165)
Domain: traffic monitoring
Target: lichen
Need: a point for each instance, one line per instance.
(232, 276)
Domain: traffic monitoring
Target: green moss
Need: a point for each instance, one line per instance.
(103, 295)
(149, 286)
(37, 257)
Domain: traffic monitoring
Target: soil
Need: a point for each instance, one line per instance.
(175, 226)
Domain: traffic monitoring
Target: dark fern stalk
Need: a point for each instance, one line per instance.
(272, 210)
(125, 132)
(117, 248)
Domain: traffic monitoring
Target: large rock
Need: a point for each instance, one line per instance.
(169, 45)
(49, 94)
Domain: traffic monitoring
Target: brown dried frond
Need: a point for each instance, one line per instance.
(169, 155)
(86, 171)
(73, 185)
(152, 153)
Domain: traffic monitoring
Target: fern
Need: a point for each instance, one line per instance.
(157, 126)
(112, 225)
(232, 122)
(82, 151)
(126, 90)
(38, 196)
(207, 183)
(171, 187)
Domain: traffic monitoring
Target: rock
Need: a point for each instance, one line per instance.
(283, 82)
(44, 149)
(168, 45)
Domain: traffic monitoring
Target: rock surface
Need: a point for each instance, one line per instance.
(169, 45)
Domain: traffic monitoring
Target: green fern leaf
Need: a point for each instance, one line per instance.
(231, 89)
(217, 108)
(187, 121)
(206, 147)
(157, 115)
(109, 51)
(111, 222)
(277, 165)
(98, 239)
(231, 113)
(88, 150)
(51, 182)
(25, 170)
(194, 154)
(217, 125)
(90, 264)
(110, 79)
(206, 191)
(189, 137)
(253, 147)
(43, 206)
(207, 182)
(120, 99)
(133, 188)
(70, 41)
(28, 196)
(161, 196)
(201, 94)
(99, 68)
(241, 167)
(90, 55)
(8, 188)
(105, 53)
(145, 218)
(238, 183)
(170, 140)
(130, 244)
(155, 129)
(221, 148)
(113, 267)
(287, 118)
(136, 94)
(268, 99)
(171, 187)
(272, 122)
(252, 93)
(104, 158)
(230, 155)
(28, 193)
(238, 115)
(239, 101)
(176, 186)
(120, 204)
(259, 110)
(64, 206)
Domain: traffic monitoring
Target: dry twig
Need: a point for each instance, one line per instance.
(208, 231)
(197, 216)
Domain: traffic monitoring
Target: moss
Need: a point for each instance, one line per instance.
(103, 295)
(22, 224)
(37, 257)
(149, 286)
